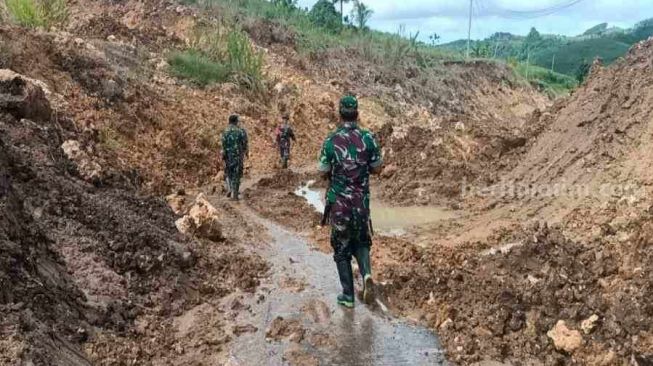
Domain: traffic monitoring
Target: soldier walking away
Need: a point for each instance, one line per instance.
(234, 152)
(284, 134)
(349, 155)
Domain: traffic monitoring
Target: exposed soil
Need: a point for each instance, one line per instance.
(500, 291)
(93, 269)
(274, 198)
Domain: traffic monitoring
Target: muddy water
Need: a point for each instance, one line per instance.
(387, 219)
(354, 337)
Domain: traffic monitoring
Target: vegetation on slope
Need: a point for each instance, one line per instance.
(219, 54)
(562, 54)
(37, 13)
(320, 28)
(552, 83)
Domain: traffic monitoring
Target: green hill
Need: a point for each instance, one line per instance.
(569, 52)
(569, 56)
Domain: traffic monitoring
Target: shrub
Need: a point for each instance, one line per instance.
(245, 64)
(219, 55)
(325, 15)
(38, 13)
(197, 67)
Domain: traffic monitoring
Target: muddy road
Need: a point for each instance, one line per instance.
(293, 318)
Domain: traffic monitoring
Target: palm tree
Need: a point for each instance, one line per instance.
(342, 16)
(362, 14)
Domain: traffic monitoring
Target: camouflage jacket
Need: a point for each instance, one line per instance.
(284, 134)
(349, 154)
(234, 144)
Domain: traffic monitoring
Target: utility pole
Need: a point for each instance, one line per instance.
(528, 65)
(469, 29)
(553, 62)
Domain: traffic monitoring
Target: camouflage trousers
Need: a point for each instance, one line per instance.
(284, 149)
(348, 235)
(233, 173)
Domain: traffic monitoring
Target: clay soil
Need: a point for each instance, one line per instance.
(94, 272)
(93, 269)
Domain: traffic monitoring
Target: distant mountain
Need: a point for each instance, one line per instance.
(565, 54)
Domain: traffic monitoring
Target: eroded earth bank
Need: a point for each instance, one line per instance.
(118, 246)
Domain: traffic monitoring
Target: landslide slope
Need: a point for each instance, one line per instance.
(91, 271)
(582, 256)
(440, 123)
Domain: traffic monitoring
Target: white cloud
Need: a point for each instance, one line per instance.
(448, 18)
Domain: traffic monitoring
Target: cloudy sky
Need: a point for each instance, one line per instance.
(448, 18)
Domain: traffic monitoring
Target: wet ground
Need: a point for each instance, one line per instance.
(296, 321)
(387, 219)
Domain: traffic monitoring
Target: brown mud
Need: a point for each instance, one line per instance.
(93, 269)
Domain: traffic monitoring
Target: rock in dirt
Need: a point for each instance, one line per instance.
(177, 202)
(201, 221)
(565, 339)
(589, 324)
(22, 97)
(389, 171)
(87, 168)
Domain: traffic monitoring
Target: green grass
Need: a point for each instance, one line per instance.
(245, 64)
(217, 54)
(37, 13)
(312, 39)
(553, 83)
(569, 56)
(197, 68)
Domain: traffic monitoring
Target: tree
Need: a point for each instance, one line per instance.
(324, 14)
(643, 29)
(533, 36)
(481, 49)
(434, 39)
(361, 14)
(342, 2)
(532, 41)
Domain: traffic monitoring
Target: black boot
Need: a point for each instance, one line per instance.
(347, 281)
(362, 255)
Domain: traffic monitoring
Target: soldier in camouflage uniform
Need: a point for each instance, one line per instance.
(348, 157)
(284, 134)
(234, 152)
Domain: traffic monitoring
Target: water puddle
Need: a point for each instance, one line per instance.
(314, 197)
(388, 220)
(359, 337)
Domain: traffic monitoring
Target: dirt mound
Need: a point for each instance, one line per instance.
(68, 241)
(502, 303)
(274, 198)
(573, 293)
(601, 133)
(82, 262)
